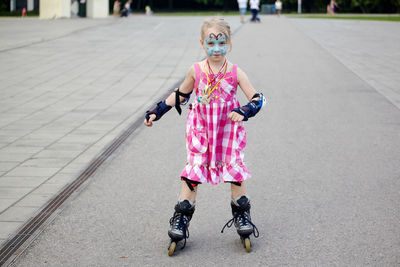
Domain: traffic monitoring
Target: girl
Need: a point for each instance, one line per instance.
(215, 135)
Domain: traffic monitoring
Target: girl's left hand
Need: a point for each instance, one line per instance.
(236, 117)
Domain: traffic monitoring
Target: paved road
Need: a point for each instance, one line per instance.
(370, 49)
(324, 157)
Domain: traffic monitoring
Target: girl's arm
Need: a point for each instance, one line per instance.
(243, 113)
(245, 84)
(186, 87)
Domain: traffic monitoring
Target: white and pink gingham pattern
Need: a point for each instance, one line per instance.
(214, 143)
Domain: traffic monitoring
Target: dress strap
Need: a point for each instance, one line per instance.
(198, 72)
(234, 74)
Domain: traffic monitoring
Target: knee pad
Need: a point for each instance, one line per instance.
(191, 184)
(235, 183)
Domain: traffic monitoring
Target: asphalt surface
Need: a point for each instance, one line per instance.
(369, 48)
(324, 155)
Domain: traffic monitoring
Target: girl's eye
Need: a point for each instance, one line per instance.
(222, 44)
(210, 44)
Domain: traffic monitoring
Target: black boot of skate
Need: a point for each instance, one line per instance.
(242, 220)
(179, 224)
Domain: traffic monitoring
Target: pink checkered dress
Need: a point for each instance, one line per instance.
(215, 143)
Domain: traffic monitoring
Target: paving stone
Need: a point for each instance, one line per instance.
(5, 203)
(88, 154)
(51, 137)
(20, 149)
(8, 138)
(17, 214)
(21, 182)
(98, 125)
(7, 228)
(15, 132)
(34, 200)
(48, 189)
(68, 146)
(14, 157)
(33, 142)
(46, 162)
(61, 178)
(13, 192)
(32, 171)
(49, 153)
(81, 138)
(28, 125)
(6, 166)
(74, 168)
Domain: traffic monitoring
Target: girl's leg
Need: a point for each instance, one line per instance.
(188, 194)
(240, 205)
(238, 190)
(183, 212)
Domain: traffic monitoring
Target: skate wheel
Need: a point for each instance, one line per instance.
(171, 249)
(247, 244)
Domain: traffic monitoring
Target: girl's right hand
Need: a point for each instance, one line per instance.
(149, 122)
(235, 117)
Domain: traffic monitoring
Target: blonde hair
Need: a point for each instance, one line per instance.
(220, 24)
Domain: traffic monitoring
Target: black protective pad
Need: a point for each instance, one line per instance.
(191, 184)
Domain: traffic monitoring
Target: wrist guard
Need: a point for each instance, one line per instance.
(178, 101)
(252, 108)
(159, 111)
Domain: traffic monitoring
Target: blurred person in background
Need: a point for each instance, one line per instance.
(278, 7)
(149, 12)
(242, 9)
(126, 11)
(74, 8)
(254, 7)
(116, 7)
(331, 8)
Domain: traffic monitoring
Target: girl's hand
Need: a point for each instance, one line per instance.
(149, 123)
(235, 117)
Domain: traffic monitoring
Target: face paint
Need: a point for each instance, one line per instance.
(215, 44)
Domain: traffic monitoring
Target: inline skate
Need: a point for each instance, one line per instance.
(179, 224)
(242, 220)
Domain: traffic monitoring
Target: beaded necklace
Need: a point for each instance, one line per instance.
(205, 98)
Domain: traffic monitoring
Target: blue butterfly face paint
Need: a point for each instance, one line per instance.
(216, 44)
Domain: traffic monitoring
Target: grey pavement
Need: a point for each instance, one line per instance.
(68, 88)
(324, 156)
(369, 48)
(22, 32)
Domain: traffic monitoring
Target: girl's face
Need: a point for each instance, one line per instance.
(214, 43)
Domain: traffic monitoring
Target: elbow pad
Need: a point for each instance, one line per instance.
(159, 111)
(252, 108)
